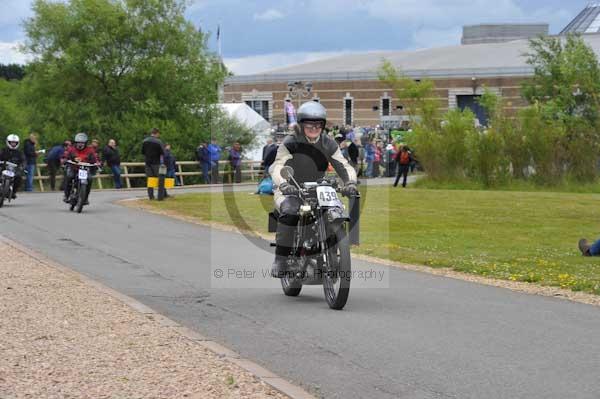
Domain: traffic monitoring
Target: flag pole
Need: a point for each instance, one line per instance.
(219, 41)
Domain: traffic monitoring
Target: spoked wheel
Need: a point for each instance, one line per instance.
(336, 281)
(291, 286)
(73, 199)
(5, 191)
(81, 199)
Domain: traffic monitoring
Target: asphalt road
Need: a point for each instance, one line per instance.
(423, 337)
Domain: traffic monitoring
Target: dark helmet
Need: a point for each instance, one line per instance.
(81, 140)
(312, 111)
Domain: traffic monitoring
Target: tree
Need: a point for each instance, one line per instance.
(12, 116)
(566, 78)
(566, 89)
(12, 71)
(116, 68)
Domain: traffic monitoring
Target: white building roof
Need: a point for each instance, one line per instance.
(479, 60)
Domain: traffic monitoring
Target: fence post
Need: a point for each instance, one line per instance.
(39, 175)
(127, 181)
(180, 174)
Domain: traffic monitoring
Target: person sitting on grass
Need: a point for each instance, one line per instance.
(589, 249)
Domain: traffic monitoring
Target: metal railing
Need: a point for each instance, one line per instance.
(251, 170)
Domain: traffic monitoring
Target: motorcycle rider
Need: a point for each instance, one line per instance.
(309, 151)
(11, 153)
(79, 152)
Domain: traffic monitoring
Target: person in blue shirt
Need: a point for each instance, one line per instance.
(214, 151)
(370, 157)
(53, 158)
(203, 158)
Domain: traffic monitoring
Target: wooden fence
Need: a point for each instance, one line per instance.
(251, 170)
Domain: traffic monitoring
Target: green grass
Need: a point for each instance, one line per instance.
(519, 236)
(563, 186)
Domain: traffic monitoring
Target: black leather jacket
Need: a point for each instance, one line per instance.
(14, 156)
(310, 160)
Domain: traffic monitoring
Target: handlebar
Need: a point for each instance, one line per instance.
(82, 163)
(9, 163)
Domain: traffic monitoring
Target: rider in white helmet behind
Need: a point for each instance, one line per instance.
(11, 153)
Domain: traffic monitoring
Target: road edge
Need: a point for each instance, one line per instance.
(445, 272)
(273, 380)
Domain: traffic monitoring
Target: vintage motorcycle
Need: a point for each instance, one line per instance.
(321, 249)
(7, 178)
(78, 196)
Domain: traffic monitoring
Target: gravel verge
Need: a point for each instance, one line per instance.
(62, 338)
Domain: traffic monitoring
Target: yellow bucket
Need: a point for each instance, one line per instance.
(153, 182)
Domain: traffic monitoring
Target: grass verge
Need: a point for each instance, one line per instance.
(516, 236)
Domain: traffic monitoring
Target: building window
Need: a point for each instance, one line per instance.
(261, 107)
(385, 107)
(472, 102)
(348, 111)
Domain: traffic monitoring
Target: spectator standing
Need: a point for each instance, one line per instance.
(96, 145)
(153, 151)
(361, 158)
(170, 163)
(67, 145)
(203, 158)
(404, 159)
(214, 151)
(353, 154)
(290, 112)
(266, 151)
(112, 158)
(377, 159)
(31, 160)
(370, 157)
(235, 158)
(53, 158)
(390, 160)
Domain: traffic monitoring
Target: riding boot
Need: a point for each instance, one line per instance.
(279, 267)
(284, 240)
(87, 193)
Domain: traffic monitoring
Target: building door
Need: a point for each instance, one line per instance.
(472, 102)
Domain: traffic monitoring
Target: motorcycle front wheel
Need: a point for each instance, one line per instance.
(73, 198)
(337, 277)
(5, 191)
(81, 198)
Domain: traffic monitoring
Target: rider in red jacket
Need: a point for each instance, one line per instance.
(79, 152)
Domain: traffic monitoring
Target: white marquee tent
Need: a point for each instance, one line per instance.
(250, 118)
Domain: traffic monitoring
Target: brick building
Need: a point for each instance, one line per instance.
(350, 90)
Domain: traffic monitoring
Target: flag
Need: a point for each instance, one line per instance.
(218, 32)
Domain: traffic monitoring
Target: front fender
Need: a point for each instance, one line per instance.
(336, 215)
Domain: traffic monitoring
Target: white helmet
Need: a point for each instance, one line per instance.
(12, 141)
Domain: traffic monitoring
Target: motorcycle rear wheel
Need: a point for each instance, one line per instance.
(336, 280)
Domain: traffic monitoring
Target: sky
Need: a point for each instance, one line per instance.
(257, 36)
